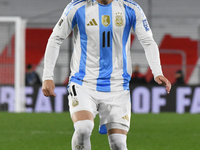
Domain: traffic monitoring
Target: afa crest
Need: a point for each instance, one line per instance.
(119, 21)
(75, 102)
(105, 19)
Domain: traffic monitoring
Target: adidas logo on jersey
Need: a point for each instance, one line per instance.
(92, 23)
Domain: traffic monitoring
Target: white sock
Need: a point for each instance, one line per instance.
(117, 141)
(81, 136)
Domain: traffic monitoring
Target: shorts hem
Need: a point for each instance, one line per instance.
(125, 124)
(116, 125)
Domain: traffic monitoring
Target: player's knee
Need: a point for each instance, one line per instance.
(117, 142)
(83, 129)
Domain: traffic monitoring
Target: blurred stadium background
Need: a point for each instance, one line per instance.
(175, 25)
(176, 28)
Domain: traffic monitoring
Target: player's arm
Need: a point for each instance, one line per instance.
(145, 37)
(60, 32)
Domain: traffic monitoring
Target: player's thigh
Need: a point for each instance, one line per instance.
(118, 131)
(81, 104)
(82, 115)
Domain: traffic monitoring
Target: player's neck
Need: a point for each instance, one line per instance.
(104, 2)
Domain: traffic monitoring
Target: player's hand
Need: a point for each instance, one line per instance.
(163, 81)
(48, 87)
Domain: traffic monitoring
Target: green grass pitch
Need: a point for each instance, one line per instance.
(53, 131)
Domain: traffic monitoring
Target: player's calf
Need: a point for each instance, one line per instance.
(117, 141)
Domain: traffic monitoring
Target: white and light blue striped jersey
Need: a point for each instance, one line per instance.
(101, 58)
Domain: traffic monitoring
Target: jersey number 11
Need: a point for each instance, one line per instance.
(104, 39)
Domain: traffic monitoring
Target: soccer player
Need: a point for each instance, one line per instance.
(101, 65)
